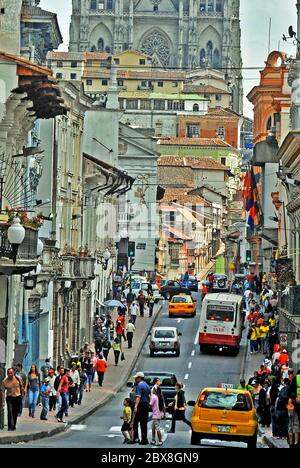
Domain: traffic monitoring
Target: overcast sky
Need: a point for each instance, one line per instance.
(255, 17)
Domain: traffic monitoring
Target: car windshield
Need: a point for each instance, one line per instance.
(136, 286)
(220, 313)
(181, 299)
(166, 380)
(226, 400)
(164, 334)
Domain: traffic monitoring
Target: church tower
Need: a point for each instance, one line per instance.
(176, 33)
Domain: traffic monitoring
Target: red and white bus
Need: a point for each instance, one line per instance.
(221, 322)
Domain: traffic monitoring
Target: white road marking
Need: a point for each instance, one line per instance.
(179, 320)
(115, 429)
(186, 376)
(193, 353)
(78, 427)
(190, 365)
(197, 336)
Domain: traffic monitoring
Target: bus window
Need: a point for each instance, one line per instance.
(220, 313)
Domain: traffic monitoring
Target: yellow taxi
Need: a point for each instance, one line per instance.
(224, 414)
(182, 304)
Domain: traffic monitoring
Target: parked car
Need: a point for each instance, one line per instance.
(221, 283)
(164, 339)
(190, 282)
(173, 288)
(168, 381)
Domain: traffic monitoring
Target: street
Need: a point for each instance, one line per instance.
(103, 429)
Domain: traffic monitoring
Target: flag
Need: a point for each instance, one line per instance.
(247, 191)
(251, 200)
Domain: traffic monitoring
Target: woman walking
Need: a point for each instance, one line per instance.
(179, 408)
(33, 386)
(158, 413)
(117, 347)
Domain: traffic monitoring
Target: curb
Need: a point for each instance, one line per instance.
(77, 419)
(244, 366)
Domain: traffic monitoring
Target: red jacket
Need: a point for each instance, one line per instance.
(101, 365)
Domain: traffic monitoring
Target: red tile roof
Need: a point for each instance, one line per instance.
(207, 89)
(223, 112)
(195, 162)
(183, 196)
(80, 56)
(204, 142)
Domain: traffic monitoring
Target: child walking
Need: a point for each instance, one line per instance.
(45, 394)
(126, 416)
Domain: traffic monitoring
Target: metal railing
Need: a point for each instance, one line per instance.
(26, 251)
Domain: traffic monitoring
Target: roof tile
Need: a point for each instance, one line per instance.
(184, 141)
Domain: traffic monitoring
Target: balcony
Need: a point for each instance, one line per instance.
(27, 252)
(291, 301)
(77, 268)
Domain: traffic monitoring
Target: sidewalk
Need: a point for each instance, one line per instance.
(253, 363)
(116, 377)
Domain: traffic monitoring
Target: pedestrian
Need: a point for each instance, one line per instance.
(19, 373)
(88, 366)
(281, 411)
(61, 373)
(129, 299)
(141, 302)
(52, 395)
(106, 348)
(126, 416)
(263, 331)
(83, 379)
(63, 392)
(294, 393)
(45, 369)
(101, 367)
(13, 388)
(264, 405)
(179, 408)
(130, 329)
(150, 302)
(283, 358)
(98, 335)
(133, 311)
(73, 389)
(93, 360)
(158, 413)
(141, 409)
(294, 426)
(45, 395)
(33, 386)
(253, 336)
(117, 347)
(253, 379)
(119, 330)
(203, 290)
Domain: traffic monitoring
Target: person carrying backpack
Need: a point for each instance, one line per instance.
(282, 415)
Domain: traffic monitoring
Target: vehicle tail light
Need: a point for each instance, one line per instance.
(152, 344)
(201, 400)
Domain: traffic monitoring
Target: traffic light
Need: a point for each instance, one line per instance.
(131, 249)
(248, 255)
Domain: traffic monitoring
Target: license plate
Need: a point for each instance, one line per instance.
(223, 428)
(218, 330)
(164, 344)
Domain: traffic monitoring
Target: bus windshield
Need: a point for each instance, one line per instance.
(220, 313)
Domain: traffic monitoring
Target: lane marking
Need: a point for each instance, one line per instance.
(197, 336)
(186, 376)
(193, 353)
(115, 429)
(78, 427)
(179, 320)
(190, 365)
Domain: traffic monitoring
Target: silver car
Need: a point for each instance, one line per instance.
(164, 339)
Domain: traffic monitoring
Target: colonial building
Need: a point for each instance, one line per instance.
(180, 33)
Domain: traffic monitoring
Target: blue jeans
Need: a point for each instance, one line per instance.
(32, 400)
(253, 346)
(45, 403)
(64, 406)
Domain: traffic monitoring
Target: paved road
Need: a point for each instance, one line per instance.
(102, 430)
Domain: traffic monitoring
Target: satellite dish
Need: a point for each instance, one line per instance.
(291, 32)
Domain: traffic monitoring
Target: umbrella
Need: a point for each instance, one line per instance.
(113, 303)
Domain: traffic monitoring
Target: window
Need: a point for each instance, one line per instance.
(155, 8)
(196, 108)
(210, 5)
(226, 401)
(101, 45)
(159, 104)
(89, 63)
(93, 4)
(104, 82)
(73, 64)
(59, 64)
(160, 84)
(221, 132)
(216, 58)
(175, 105)
(131, 104)
(202, 5)
(164, 334)
(73, 76)
(202, 58)
(120, 82)
(220, 313)
(89, 82)
(192, 131)
(117, 61)
(209, 47)
(110, 4)
(145, 104)
(101, 6)
(158, 129)
(2, 11)
(122, 103)
(223, 161)
(144, 84)
(142, 62)
(59, 76)
(107, 49)
(219, 6)
(174, 84)
(93, 49)
(218, 97)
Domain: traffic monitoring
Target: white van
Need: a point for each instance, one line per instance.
(221, 322)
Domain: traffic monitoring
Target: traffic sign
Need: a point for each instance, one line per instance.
(283, 339)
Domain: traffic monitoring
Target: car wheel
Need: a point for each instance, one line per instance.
(252, 442)
(151, 353)
(203, 349)
(195, 438)
(235, 351)
(170, 315)
(177, 353)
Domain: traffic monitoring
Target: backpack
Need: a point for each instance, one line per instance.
(283, 399)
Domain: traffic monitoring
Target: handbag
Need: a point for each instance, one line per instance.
(122, 357)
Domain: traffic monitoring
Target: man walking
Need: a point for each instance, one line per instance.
(101, 367)
(73, 390)
(13, 386)
(129, 331)
(141, 301)
(23, 377)
(141, 408)
(63, 392)
(133, 311)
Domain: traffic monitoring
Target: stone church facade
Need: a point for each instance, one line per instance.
(175, 33)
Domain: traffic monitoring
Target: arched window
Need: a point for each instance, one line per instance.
(270, 123)
(216, 59)
(93, 4)
(209, 47)
(196, 108)
(101, 45)
(202, 58)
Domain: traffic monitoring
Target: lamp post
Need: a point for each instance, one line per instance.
(105, 258)
(16, 235)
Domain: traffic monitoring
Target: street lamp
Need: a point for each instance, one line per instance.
(40, 247)
(16, 235)
(105, 258)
